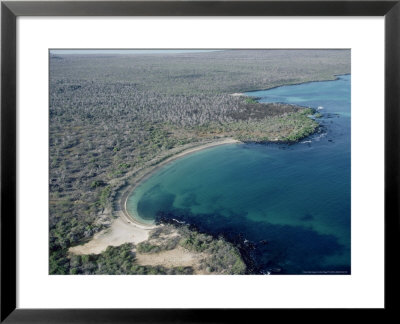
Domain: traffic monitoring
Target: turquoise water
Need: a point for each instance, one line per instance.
(286, 206)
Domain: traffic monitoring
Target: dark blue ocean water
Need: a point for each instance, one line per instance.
(287, 205)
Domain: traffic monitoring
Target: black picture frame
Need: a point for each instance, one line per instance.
(10, 10)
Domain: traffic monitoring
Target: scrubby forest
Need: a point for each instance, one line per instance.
(111, 114)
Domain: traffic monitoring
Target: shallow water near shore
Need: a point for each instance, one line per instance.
(288, 205)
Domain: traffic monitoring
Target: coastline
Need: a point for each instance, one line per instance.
(150, 170)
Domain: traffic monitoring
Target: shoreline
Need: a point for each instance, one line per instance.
(151, 169)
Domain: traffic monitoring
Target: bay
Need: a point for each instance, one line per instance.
(286, 205)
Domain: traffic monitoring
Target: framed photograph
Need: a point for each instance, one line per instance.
(190, 161)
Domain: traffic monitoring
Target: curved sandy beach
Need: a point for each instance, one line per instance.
(148, 171)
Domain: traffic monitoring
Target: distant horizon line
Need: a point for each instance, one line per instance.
(164, 51)
(128, 51)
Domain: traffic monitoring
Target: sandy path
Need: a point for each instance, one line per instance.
(178, 257)
(121, 231)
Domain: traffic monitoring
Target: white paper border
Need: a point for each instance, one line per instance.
(363, 288)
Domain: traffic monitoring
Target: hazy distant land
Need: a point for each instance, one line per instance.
(114, 118)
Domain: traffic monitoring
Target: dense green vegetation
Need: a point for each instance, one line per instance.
(112, 114)
(288, 127)
(222, 258)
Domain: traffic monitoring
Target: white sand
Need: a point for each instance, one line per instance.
(121, 231)
(178, 257)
